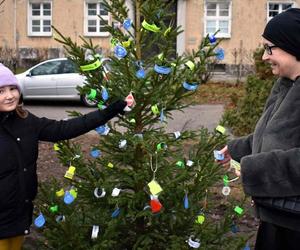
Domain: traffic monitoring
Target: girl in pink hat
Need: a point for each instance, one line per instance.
(20, 133)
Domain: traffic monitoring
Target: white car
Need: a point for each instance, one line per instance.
(54, 79)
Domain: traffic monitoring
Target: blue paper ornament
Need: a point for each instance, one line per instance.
(120, 51)
(39, 221)
(190, 86)
(102, 130)
(68, 198)
(116, 213)
(95, 153)
(162, 69)
(140, 73)
(212, 38)
(220, 54)
(127, 23)
(218, 156)
(162, 116)
(247, 247)
(104, 94)
(234, 228)
(186, 202)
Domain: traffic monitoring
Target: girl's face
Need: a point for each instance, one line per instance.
(9, 98)
(282, 63)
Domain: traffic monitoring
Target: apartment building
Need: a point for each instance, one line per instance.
(26, 25)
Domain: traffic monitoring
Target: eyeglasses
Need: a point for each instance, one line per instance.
(268, 48)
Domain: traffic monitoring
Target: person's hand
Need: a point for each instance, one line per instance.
(237, 172)
(117, 107)
(226, 162)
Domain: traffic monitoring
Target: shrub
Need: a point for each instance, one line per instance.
(244, 112)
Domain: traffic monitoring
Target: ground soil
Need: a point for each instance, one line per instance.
(49, 166)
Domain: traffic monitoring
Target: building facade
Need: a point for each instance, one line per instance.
(241, 23)
(26, 25)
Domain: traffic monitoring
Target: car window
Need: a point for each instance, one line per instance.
(48, 68)
(68, 67)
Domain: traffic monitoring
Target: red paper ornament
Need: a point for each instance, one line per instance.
(156, 206)
(130, 100)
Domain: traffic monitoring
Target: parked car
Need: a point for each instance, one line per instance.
(54, 79)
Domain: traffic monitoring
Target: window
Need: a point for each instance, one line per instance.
(274, 8)
(48, 68)
(39, 18)
(218, 17)
(93, 25)
(68, 67)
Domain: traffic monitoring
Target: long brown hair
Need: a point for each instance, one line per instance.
(21, 112)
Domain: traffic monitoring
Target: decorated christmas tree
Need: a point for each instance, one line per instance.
(141, 187)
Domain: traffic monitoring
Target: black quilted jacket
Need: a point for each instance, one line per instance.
(18, 153)
(270, 157)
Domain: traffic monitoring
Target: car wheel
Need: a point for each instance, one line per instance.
(87, 102)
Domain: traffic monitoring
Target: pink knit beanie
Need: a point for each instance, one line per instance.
(8, 78)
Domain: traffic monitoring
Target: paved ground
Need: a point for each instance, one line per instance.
(192, 118)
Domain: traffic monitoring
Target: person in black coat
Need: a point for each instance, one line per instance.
(20, 133)
(270, 156)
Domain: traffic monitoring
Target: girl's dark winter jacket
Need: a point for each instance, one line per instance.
(270, 157)
(18, 155)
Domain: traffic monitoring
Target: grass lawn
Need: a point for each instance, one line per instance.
(218, 93)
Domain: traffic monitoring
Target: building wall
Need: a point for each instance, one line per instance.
(6, 24)
(248, 20)
(67, 17)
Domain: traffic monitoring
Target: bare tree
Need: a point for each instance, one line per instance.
(1, 2)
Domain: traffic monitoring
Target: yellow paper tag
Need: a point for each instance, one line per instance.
(155, 188)
(155, 109)
(220, 129)
(91, 66)
(110, 165)
(168, 30)
(234, 164)
(60, 192)
(190, 64)
(200, 219)
(73, 192)
(126, 44)
(70, 172)
(56, 147)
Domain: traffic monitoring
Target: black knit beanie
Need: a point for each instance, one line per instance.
(283, 31)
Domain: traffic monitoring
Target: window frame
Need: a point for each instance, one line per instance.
(218, 18)
(280, 7)
(96, 18)
(41, 18)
